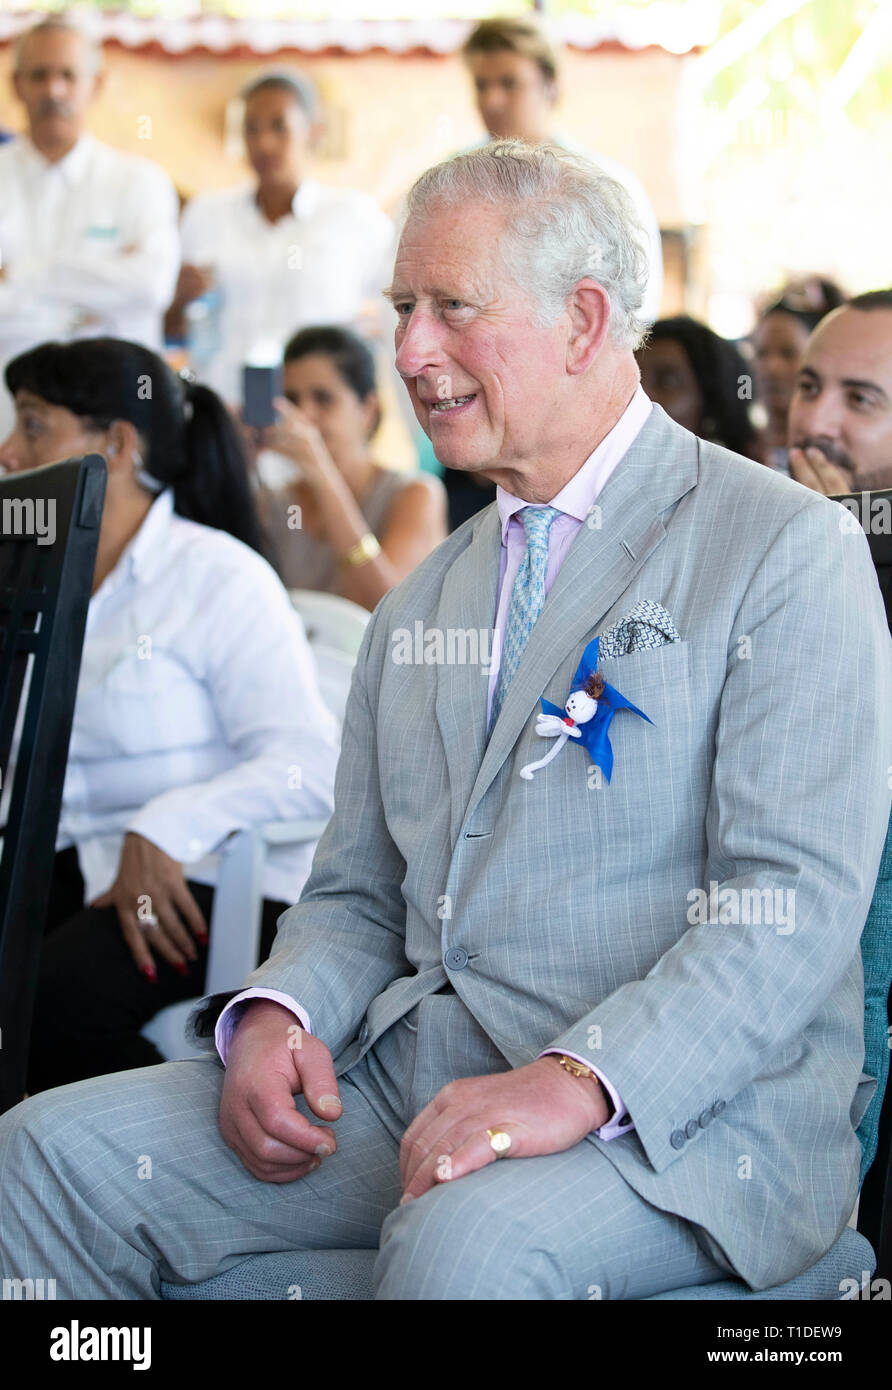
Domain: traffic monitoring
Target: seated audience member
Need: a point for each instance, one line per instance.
(360, 528)
(197, 710)
(88, 234)
(282, 251)
(840, 426)
(696, 376)
(778, 342)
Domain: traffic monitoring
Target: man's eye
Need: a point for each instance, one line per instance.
(453, 304)
(858, 400)
(402, 307)
(806, 388)
(31, 426)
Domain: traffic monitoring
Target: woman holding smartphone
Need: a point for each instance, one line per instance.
(344, 524)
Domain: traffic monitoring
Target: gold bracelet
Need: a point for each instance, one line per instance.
(575, 1068)
(365, 549)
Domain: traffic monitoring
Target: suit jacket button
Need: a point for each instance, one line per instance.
(456, 958)
(677, 1139)
(718, 1107)
(705, 1118)
(690, 1128)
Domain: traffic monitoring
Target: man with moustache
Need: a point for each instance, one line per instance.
(840, 423)
(88, 234)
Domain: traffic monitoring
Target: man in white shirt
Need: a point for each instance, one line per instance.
(88, 235)
(515, 75)
(265, 259)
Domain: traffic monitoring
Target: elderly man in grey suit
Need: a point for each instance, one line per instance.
(592, 1029)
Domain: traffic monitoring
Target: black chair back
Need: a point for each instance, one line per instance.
(49, 532)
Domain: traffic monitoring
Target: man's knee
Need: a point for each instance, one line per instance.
(60, 1118)
(35, 1119)
(464, 1240)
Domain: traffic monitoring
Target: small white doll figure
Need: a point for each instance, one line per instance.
(581, 708)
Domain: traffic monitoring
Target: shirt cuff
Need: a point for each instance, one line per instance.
(619, 1122)
(228, 1020)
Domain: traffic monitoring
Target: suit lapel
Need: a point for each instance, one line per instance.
(468, 604)
(661, 466)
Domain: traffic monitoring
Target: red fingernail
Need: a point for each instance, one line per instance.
(181, 967)
(149, 974)
(202, 936)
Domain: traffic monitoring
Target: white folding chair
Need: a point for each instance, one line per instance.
(334, 628)
(235, 927)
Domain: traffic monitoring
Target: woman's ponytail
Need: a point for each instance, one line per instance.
(214, 487)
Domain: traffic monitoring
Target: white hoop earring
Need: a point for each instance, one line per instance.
(145, 479)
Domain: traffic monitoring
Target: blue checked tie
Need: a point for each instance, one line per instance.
(527, 598)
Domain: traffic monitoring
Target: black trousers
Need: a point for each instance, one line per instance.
(92, 999)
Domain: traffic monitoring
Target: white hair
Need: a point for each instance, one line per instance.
(58, 24)
(568, 219)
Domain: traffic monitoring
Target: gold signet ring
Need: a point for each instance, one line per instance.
(499, 1142)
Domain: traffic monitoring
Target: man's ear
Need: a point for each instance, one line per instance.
(588, 307)
(315, 133)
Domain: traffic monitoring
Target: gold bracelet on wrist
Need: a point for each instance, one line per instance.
(365, 549)
(575, 1068)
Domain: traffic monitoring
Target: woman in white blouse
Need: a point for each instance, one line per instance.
(197, 712)
(283, 250)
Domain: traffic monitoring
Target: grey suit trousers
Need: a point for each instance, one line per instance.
(112, 1184)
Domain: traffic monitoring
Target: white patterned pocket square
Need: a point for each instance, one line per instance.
(644, 627)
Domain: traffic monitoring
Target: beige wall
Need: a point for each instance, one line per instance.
(390, 116)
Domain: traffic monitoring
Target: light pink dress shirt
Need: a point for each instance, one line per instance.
(575, 501)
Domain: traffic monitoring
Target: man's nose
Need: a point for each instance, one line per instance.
(491, 102)
(821, 417)
(418, 345)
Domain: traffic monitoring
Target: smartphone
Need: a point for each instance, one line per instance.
(260, 385)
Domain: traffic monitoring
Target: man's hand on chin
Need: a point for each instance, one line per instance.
(811, 467)
(271, 1060)
(542, 1108)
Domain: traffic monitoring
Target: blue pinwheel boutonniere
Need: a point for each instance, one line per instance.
(586, 716)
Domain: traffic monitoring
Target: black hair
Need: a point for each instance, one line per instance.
(300, 87)
(871, 299)
(718, 367)
(352, 357)
(808, 301)
(190, 441)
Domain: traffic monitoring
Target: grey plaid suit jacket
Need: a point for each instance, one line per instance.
(563, 905)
